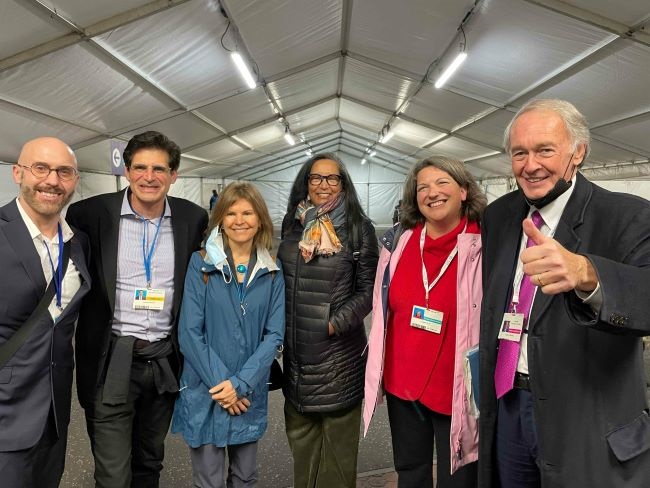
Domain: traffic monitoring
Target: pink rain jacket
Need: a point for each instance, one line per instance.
(464, 430)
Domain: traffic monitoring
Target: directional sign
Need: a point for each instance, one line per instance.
(117, 162)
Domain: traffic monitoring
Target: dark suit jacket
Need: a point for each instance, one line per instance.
(40, 373)
(99, 217)
(586, 370)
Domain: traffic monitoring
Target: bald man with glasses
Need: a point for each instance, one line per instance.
(44, 278)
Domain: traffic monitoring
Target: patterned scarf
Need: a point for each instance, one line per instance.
(319, 236)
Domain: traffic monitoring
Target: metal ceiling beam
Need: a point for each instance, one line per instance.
(289, 159)
(633, 32)
(303, 67)
(390, 68)
(265, 161)
(27, 108)
(80, 34)
(259, 124)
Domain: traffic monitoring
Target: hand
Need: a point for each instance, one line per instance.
(240, 407)
(330, 329)
(553, 268)
(224, 393)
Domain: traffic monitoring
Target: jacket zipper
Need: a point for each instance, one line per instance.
(294, 340)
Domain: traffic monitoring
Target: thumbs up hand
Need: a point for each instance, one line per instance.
(551, 267)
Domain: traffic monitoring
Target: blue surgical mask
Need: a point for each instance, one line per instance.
(214, 248)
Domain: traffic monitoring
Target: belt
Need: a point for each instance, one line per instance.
(141, 344)
(522, 381)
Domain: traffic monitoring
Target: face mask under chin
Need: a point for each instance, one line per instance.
(558, 189)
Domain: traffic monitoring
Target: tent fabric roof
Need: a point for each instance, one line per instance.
(336, 72)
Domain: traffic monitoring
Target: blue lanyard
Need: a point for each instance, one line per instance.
(57, 275)
(147, 256)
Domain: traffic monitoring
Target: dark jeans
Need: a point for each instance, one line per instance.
(414, 429)
(517, 441)
(40, 466)
(128, 440)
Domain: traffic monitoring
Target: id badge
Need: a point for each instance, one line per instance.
(148, 299)
(512, 326)
(426, 319)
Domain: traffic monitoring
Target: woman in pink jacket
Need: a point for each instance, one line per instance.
(426, 309)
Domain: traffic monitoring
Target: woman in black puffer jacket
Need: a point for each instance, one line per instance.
(328, 294)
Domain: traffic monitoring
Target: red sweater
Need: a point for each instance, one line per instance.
(419, 365)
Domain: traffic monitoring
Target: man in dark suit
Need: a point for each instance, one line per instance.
(563, 404)
(38, 252)
(126, 344)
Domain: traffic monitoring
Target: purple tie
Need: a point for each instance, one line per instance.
(508, 355)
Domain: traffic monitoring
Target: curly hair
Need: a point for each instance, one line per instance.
(472, 207)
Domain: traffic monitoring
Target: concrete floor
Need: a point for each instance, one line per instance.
(274, 459)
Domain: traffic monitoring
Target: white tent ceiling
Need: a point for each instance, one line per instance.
(336, 72)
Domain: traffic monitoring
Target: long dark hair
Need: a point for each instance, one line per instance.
(354, 213)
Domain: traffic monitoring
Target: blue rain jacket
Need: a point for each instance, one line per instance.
(219, 342)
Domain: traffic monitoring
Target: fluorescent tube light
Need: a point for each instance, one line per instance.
(451, 69)
(243, 70)
(289, 138)
(387, 137)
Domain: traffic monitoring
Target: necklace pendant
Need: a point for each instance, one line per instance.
(241, 268)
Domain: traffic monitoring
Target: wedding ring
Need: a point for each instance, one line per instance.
(539, 280)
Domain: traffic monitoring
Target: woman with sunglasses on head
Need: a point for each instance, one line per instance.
(230, 329)
(329, 255)
(426, 313)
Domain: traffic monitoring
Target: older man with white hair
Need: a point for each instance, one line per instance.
(565, 266)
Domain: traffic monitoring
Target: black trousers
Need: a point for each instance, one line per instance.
(128, 440)
(40, 466)
(414, 429)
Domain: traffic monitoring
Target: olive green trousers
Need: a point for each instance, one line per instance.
(324, 447)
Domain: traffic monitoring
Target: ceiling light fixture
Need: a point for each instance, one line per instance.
(373, 154)
(309, 152)
(363, 161)
(288, 136)
(455, 64)
(243, 69)
(387, 136)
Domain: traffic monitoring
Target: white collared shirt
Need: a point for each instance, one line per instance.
(551, 213)
(72, 279)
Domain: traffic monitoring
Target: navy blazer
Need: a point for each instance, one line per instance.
(99, 218)
(40, 373)
(586, 369)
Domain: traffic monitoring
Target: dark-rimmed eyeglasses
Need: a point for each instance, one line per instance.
(332, 180)
(42, 170)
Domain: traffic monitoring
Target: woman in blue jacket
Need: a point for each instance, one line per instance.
(231, 327)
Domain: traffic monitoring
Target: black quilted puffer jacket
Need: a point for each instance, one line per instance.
(326, 373)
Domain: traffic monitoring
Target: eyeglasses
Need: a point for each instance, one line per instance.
(140, 169)
(332, 180)
(42, 170)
